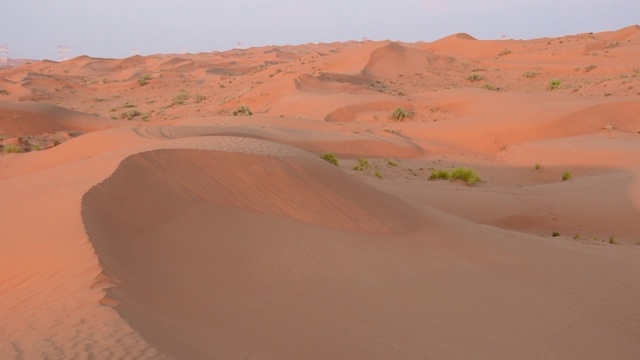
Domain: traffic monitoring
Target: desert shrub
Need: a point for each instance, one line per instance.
(330, 158)
(467, 175)
(377, 174)
(590, 67)
(129, 115)
(12, 149)
(199, 98)
(146, 117)
(566, 176)
(555, 234)
(242, 110)
(439, 175)
(475, 77)
(362, 164)
(400, 114)
(505, 52)
(490, 87)
(613, 240)
(537, 167)
(530, 74)
(554, 84)
(392, 162)
(181, 98)
(144, 80)
(129, 105)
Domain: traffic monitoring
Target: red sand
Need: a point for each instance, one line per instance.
(152, 223)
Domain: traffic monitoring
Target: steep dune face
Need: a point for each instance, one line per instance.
(165, 217)
(313, 192)
(394, 59)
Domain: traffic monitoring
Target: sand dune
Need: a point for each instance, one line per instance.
(143, 219)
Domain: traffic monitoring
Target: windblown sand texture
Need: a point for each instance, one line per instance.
(142, 220)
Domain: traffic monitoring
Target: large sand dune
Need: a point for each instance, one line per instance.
(142, 219)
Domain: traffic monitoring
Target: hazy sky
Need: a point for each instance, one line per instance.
(114, 28)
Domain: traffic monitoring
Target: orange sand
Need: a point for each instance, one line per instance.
(154, 225)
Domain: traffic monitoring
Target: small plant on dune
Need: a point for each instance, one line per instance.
(505, 52)
(12, 149)
(242, 110)
(537, 167)
(377, 174)
(129, 115)
(439, 175)
(555, 234)
(576, 236)
(146, 117)
(181, 98)
(400, 114)
(362, 164)
(554, 84)
(590, 67)
(467, 175)
(128, 105)
(613, 240)
(608, 128)
(144, 80)
(475, 77)
(330, 158)
(393, 163)
(199, 98)
(566, 176)
(491, 87)
(530, 74)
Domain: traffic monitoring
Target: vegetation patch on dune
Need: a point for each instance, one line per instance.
(330, 158)
(467, 175)
(400, 114)
(242, 110)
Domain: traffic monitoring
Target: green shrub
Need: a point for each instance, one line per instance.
(330, 158)
(439, 175)
(467, 175)
(242, 110)
(613, 240)
(362, 164)
(12, 149)
(554, 84)
(181, 98)
(144, 80)
(400, 114)
(566, 176)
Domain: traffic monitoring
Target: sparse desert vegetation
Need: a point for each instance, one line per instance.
(242, 110)
(400, 114)
(144, 79)
(566, 176)
(330, 158)
(467, 175)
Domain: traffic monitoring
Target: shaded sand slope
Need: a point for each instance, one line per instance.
(206, 263)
